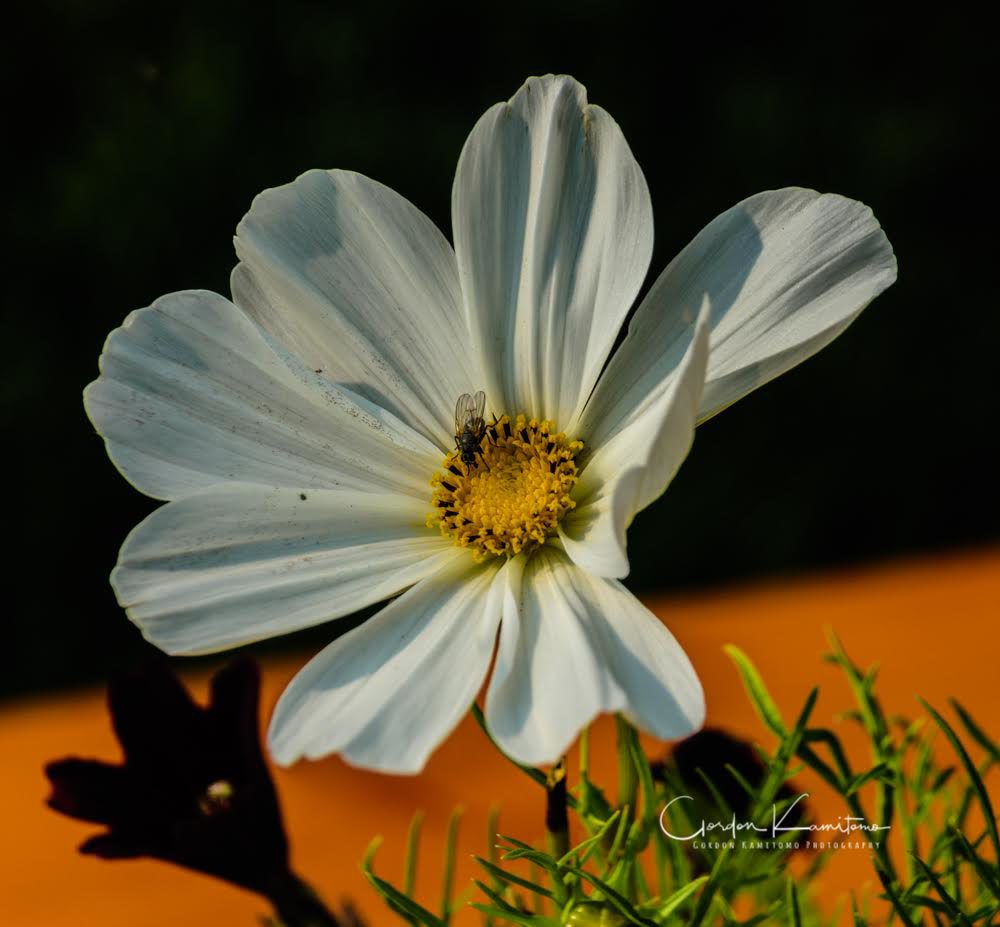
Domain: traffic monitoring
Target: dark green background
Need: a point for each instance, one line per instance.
(142, 132)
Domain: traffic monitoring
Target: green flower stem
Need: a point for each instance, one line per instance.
(628, 782)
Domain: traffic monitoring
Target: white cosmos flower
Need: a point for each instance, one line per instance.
(296, 429)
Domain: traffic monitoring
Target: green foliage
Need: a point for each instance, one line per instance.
(934, 851)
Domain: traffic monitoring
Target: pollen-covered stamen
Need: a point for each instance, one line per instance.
(512, 497)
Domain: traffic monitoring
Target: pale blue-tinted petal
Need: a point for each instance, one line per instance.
(353, 278)
(192, 394)
(553, 232)
(573, 645)
(634, 467)
(238, 562)
(784, 272)
(387, 693)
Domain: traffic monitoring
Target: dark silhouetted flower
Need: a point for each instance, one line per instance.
(713, 751)
(193, 789)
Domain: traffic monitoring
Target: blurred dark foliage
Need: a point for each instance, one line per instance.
(143, 130)
(716, 768)
(713, 755)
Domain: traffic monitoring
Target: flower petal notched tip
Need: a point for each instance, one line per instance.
(282, 754)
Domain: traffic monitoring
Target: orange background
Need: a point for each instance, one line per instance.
(931, 624)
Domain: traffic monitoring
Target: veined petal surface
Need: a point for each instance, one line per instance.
(573, 645)
(356, 280)
(632, 469)
(237, 563)
(553, 231)
(387, 693)
(785, 272)
(192, 394)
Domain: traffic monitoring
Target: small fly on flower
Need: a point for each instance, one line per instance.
(470, 426)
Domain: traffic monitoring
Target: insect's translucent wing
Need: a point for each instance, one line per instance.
(479, 401)
(464, 409)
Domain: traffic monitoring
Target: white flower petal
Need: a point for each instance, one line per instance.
(355, 279)
(574, 645)
(553, 231)
(634, 467)
(785, 272)
(238, 562)
(192, 394)
(387, 693)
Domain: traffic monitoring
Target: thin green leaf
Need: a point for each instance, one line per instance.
(755, 920)
(513, 841)
(583, 850)
(954, 909)
(448, 881)
(641, 764)
(941, 779)
(412, 849)
(406, 907)
(538, 857)
(987, 874)
(976, 732)
(616, 845)
(879, 771)
(970, 769)
(856, 917)
(592, 805)
(511, 879)
(678, 898)
(713, 790)
(496, 897)
(756, 689)
(491, 912)
(628, 783)
(614, 898)
(820, 766)
(893, 896)
(492, 820)
(711, 887)
(792, 900)
(741, 780)
(861, 685)
(925, 901)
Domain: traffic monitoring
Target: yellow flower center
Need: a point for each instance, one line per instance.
(511, 497)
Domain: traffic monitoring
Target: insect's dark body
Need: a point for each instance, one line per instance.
(470, 426)
(470, 445)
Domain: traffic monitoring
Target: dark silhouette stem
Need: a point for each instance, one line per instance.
(297, 905)
(556, 818)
